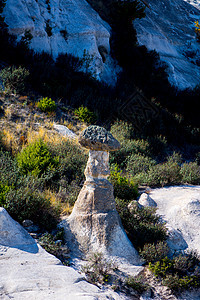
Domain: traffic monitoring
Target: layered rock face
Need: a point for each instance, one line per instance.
(169, 29)
(94, 225)
(28, 272)
(63, 26)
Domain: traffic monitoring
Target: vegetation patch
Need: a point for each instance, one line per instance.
(85, 115)
(179, 273)
(46, 105)
(15, 79)
(141, 224)
(98, 269)
(36, 159)
(124, 188)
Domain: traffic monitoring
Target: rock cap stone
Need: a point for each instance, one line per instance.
(98, 138)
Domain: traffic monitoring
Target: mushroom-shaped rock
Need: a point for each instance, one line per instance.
(98, 138)
(94, 224)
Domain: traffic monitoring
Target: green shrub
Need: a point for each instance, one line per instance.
(137, 283)
(124, 188)
(9, 172)
(47, 241)
(167, 173)
(72, 192)
(46, 105)
(198, 158)
(179, 273)
(25, 201)
(124, 133)
(36, 159)
(162, 267)
(98, 269)
(141, 224)
(138, 163)
(15, 79)
(175, 283)
(4, 189)
(154, 252)
(190, 173)
(72, 162)
(85, 115)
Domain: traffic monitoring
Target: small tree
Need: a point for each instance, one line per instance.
(36, 159)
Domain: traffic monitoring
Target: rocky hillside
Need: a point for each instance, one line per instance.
(74, 27)
(63, 27)
(169, 29)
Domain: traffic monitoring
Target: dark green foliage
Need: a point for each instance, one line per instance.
(154, 252)
(4, 189)
(9, 172)
(47, 241)
(198, 158)
(124, 188)
(141, 224)
(138, 163)
(15, 79)
(190, 173)
(25, 201)
(179, 273)
(69, 193)
(162, 267)
(36, 159)
(85, 115)
(69, 174)
(46, 105)
(164, 174)
(137, 283)
(167, 173)
(130, 145)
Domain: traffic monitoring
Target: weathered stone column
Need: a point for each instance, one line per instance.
(94, 224)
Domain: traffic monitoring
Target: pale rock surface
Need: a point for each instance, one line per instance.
(84, 29)
(146, 200)
(168, 28)
(180, 207)
(28, 272)
(64, 131)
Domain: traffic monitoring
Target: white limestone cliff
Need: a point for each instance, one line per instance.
(76, 29)
(169, 29)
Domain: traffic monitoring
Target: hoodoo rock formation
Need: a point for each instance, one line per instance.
(94, 224)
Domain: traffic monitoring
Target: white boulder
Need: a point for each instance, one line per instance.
(179, 206)
(146, 200)
(64, 131)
